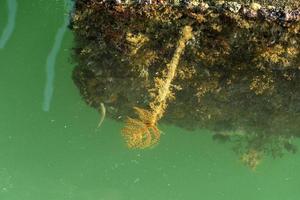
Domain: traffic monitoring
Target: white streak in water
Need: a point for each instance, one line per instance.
(51, 59)
(102, 111)
(11, 21)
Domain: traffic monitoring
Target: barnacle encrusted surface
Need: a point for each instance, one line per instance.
(240, 73)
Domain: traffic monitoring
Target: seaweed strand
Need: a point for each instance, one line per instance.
(143, 132)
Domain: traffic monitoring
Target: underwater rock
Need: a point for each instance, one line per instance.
(240, 72)
(232, 6)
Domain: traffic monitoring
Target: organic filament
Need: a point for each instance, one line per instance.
(143, 132)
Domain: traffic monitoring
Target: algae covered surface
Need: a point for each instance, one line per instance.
(237, 76)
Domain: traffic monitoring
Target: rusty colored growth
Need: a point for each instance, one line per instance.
(251, 158)
(143, 132)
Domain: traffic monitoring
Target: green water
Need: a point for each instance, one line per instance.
(59, 154)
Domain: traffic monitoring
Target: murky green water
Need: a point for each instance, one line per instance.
(58, 154)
